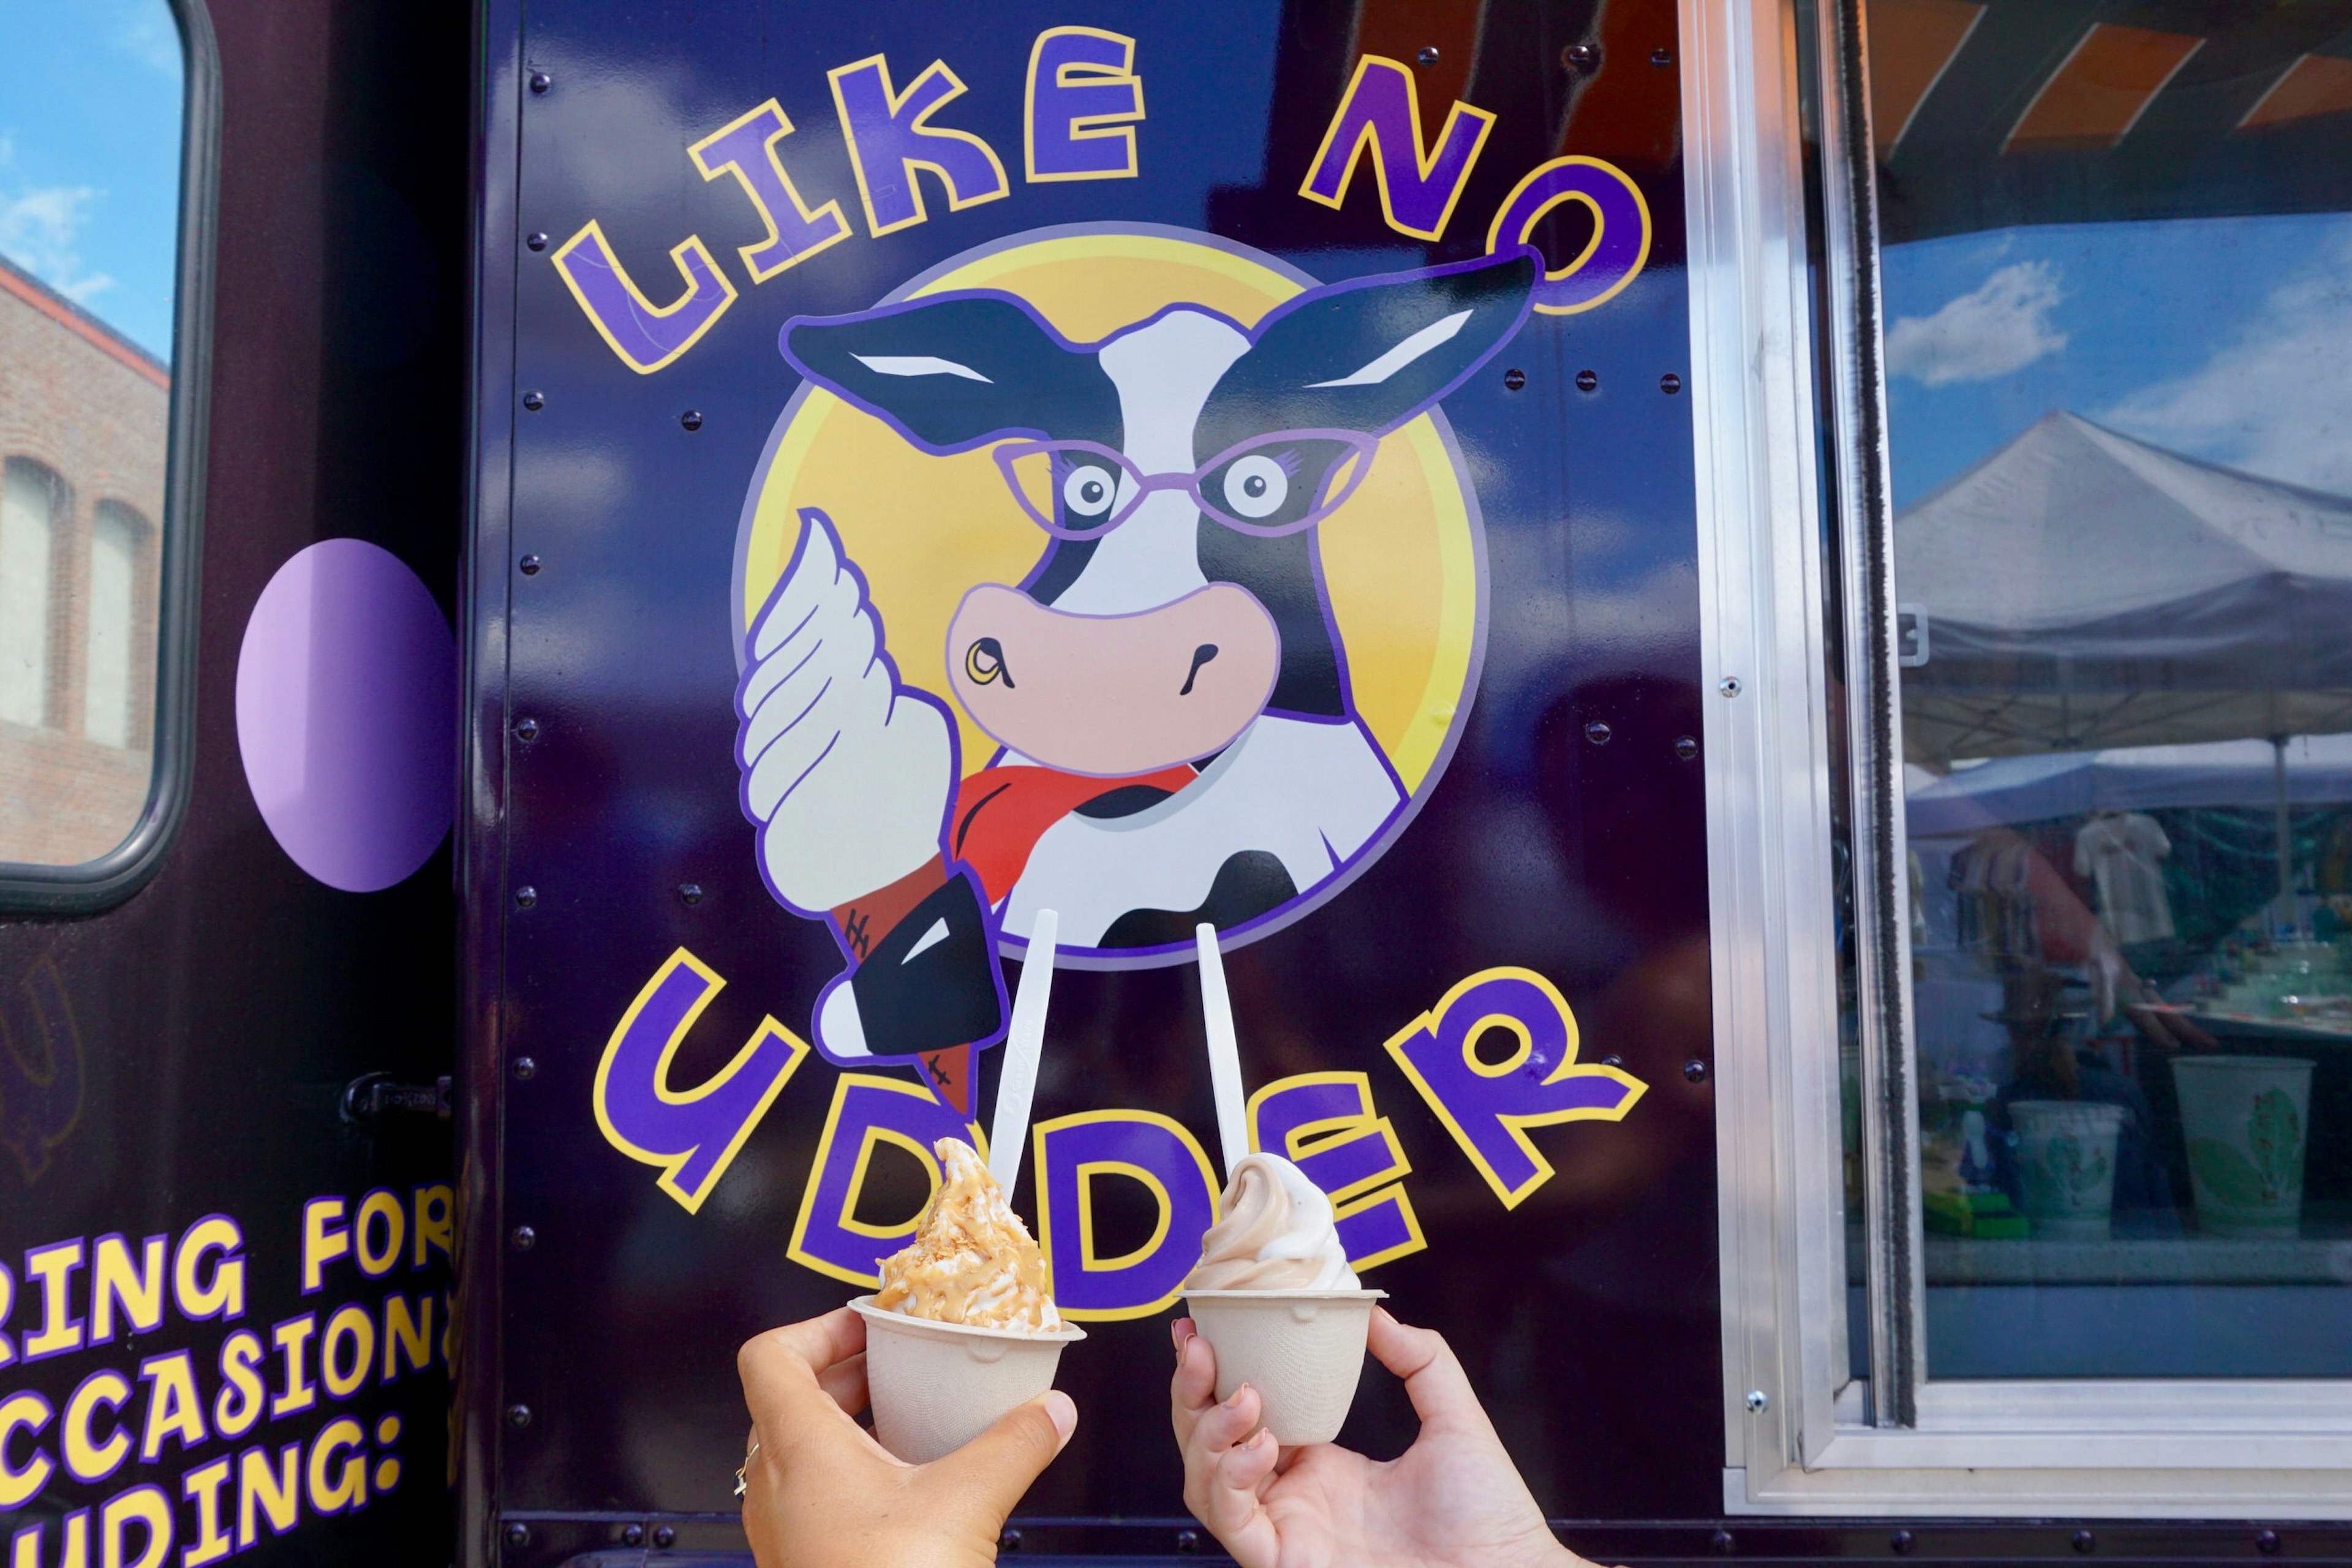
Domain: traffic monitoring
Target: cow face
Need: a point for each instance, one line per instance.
(1177, 468)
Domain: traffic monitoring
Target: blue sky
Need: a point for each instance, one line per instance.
(90, 157)
(2228, 339)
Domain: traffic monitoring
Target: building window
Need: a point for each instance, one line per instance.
(29, 528)
(101, 439)
(110, 665)
(2031, 557)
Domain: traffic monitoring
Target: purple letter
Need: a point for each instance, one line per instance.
(1417, 191)
(1620, 230)
(1073, 1154)
(746, 150)
(889, 138)
(645, 335)
(692, 1135)
(828, 1236)
(1489, 1106)
(1085, 101)
(1325, 1123)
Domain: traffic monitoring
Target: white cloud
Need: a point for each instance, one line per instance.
(2277, 400)
(151, 39)
(38, 228)
(2002, 325)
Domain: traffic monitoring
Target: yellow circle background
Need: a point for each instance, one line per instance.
(1399, 563)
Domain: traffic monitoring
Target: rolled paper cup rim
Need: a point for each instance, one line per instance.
(1066, 1333)
(1288, 1293)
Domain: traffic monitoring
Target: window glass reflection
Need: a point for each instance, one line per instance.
(2116, 246)
(90, 214)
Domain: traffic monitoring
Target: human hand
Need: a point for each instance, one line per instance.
(820, 1492)
(1453, 1499)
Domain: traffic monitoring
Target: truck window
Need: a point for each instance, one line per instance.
(98, 309)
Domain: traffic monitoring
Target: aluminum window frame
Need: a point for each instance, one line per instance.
(91, 886)
(1804, 1434)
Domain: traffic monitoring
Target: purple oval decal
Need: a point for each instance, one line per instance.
(346, 686)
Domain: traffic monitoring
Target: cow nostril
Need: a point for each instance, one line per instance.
(984, 662)
(1200, 655)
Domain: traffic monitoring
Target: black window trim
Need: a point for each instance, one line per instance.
(101, 884)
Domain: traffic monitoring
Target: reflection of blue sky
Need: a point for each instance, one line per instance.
(2228, 339)
(90, 155)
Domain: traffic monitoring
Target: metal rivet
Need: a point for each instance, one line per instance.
(1612, 1060)
(1514, 379)
(1722, 1542)
(536, 240)
(527, 728)
(526, 1068)
(541, 81)
(1670, 383)
(518, 1416)
(2266, 1541)
(1728, 686)
(1695, 1069)
(664, 1535)
(518, 1535)
(529, 565)
(1758, 1401)
(526, 897)
(691, 418)
(525, 1239)
(1188, 1541)
(1009, 1542)
(1661, 57)
(2084, 1541)
(1596, 733)
(1586, 381)
(1580, 56)
(1428, 55)
(1902, 1541)
(690, 891)
(534, 401)
(632, 1535)
(1687, 746)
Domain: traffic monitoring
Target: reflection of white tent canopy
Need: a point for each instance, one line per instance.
(2139, 778)
(2085, 590)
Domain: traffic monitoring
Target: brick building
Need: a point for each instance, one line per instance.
(84, 421)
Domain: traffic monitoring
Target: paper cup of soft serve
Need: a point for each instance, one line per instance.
(1275, 1297)
(963, 1328)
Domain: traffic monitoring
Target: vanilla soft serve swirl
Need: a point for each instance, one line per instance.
(972, 1260)
(1277, 1234)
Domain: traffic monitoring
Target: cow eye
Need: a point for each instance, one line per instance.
(1257, 486)
(1088, 490)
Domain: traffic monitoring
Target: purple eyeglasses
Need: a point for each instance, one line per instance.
(1074, 489)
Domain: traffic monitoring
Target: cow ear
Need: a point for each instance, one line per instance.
(1371, 353)
(954, 371)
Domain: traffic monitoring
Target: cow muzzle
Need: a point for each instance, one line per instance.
(1113, 695)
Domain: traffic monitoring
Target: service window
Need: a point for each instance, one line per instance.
(97, 278)
(2065, 1199)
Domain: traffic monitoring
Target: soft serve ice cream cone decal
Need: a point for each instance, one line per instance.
(1272, 1293)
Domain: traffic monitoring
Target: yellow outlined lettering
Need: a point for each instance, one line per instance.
(1112, 125)
(830, 213)
(843, 1086)
(1424, 157)
(705, 287)
(1495, 238)
(1039, 1139)
(921, 127)
(671, 1163)
(1515, 1124)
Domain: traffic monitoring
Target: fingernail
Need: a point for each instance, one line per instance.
(1234, 1402)
(1064, 1411)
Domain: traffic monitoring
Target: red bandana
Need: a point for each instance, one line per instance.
(1001, 812)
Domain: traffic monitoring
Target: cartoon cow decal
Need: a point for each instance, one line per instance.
(1167, 685)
